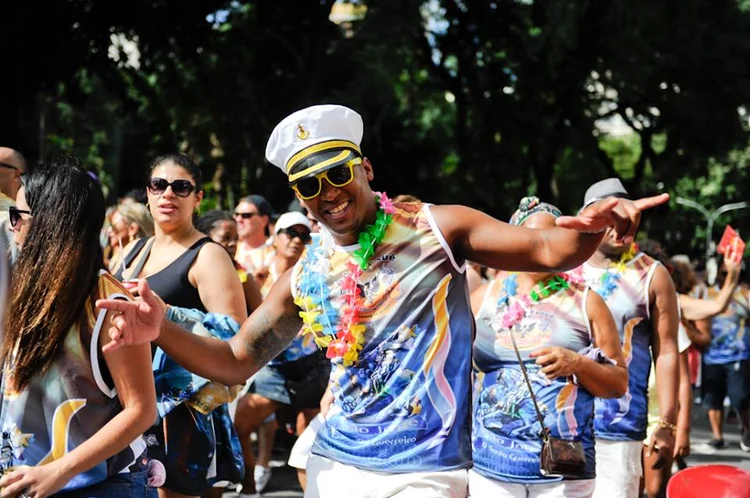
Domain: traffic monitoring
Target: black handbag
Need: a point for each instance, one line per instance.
(559, 457)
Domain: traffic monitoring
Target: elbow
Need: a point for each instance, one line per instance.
(621, 388)
(145, 414)
(619, 385)
(234, 377)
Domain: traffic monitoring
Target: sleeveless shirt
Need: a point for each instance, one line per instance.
(62, 408)
(626, 418)
(506, 430)
(404, 405)
(730, 341)
(172, 283)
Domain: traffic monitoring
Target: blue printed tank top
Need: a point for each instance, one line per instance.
(68, 404)
(404, 405)
(729, 332)
(506, 431)
(626, 418)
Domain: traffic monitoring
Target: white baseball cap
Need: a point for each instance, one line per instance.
(315, 139)
(290, 219)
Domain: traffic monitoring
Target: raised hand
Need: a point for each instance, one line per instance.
(622, 214)
(133, 322)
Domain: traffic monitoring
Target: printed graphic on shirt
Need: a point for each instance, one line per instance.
(405, 402)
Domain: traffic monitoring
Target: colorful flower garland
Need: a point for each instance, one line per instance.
(340, 332)
(611, 277)
(516, 309)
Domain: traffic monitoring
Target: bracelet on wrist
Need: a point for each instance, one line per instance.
(667, 425)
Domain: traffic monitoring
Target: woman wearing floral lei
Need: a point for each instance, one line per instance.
(569, 344)
(385, 292)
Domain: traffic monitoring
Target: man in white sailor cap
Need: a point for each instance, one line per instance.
(384, 291)
(641, 296)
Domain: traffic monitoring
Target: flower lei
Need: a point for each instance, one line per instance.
(516, 310)
(340, 332)
(612, 275)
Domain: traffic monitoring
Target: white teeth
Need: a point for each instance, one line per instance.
(339, 208)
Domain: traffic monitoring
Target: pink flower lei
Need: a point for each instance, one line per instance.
(349, 336)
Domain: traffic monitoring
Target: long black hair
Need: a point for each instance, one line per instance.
(58, 267)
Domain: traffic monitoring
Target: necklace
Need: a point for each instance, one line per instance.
(516, 308)
(612, 275)
(340, 330)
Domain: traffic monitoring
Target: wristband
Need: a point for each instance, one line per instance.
(667, 425)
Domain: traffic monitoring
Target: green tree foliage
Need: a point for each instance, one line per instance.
(479, 102)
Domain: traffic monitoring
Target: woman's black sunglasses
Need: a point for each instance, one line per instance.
(14, 215)
(181, 188)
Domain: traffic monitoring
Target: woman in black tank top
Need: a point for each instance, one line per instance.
(186, 269)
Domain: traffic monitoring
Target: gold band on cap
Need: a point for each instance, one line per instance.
(315, 149)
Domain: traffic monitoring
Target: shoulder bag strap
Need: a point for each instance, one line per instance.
(539, 416)
(144, 253)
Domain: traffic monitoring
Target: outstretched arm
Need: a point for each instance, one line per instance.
(263, 335)
(701, 309)
(475, 236)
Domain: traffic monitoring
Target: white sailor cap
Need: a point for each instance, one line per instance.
(315, 139)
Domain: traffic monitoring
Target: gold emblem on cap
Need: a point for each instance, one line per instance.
(302, 133)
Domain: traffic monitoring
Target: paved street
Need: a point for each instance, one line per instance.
(284, 481)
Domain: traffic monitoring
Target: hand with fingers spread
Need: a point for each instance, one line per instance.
(134, 322)
(556, 361)
(33, 482)
(623, 215)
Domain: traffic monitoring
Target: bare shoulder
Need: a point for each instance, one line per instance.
(595, 305)
(213, 265)
(212, 256)
(661, 283)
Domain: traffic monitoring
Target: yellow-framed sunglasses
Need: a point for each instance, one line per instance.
(339, 176)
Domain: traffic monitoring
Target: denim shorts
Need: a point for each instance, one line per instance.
(126, 485)
(725, 379)
(299, 383)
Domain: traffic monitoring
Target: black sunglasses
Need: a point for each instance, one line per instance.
(304, 235)
(14, 215)
(245, 216)
(181, 188)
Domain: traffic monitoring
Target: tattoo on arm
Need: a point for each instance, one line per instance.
(269, 334)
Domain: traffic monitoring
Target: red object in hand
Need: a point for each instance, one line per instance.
(715, 481)
(731, 241)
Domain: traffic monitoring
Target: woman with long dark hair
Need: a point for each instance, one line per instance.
(187, 270)
(72, 417)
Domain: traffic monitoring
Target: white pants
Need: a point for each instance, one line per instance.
(329, 479)
(618, 468)
(483, 487)
(302, 448)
